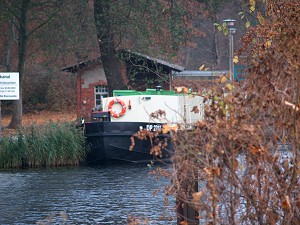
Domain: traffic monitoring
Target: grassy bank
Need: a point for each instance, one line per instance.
(52, 144)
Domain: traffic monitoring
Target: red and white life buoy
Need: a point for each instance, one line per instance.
(113, 113)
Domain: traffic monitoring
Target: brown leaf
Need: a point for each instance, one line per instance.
(249, 128)
(197, 196)
(195, 109)
(166, 128)
(201, 124)
(185, 90)
(286, 204)
(184, 223)
(228, 99)
(216, 171)
(235, 164)
(178, 89)
(207, 171)
(256, 150)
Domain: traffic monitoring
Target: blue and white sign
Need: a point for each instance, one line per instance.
(9, 86)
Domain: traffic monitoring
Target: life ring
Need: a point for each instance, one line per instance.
(114, 114)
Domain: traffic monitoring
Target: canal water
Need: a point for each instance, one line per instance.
(83, 195)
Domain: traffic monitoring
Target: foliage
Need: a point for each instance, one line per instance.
(158, 26)
(244, 157)
(49, 145)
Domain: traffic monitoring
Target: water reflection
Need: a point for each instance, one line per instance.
(87, 195)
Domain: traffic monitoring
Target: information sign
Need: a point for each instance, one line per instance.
(9, 86)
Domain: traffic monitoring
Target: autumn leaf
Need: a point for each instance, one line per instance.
(235, 59)
(286, 204)
(216, 171)
(207, 171)
(201, 123)
(235, 164)
(224, 111)
(195, 109)
(166, 128)
(174, 127)
(225, 31)
(247, 24)
(197, 196)
(241, 167)
(184, 223)
(185, 90)
(249, 128)
(292, 105)
(228, 99)
(208, 147)
(230, 87)
(268, 44)
(256, 150)
(260, 18)
(252, 2)
(223, 79)
(218, 80)
(201, 67)
(178, 89)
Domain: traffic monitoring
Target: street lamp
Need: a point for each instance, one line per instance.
(231, 31)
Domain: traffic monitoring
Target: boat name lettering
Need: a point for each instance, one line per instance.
(151, 127)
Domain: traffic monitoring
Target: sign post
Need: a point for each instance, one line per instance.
(9, 90)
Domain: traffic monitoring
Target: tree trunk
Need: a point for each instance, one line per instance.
(16, 120)
(7, 52)
(110, 61)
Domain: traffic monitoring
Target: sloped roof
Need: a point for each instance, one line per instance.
(81, 65)
(171, 66)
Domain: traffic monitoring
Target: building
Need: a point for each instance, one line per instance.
(140, 72)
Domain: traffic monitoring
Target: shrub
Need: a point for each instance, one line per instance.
(53, 144)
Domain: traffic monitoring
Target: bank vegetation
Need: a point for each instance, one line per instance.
(52, 144)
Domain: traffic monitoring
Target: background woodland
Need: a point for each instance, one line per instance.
(63, 33)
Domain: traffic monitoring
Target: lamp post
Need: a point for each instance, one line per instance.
(231, 31)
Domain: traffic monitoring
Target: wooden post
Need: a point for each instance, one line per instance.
(0, 124)
(184, 211)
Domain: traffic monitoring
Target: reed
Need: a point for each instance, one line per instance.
(54, 144)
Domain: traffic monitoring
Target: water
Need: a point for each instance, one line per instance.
(83, 195)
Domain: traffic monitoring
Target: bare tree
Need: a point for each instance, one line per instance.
(24, 12)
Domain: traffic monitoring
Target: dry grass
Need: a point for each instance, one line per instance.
(40, 118)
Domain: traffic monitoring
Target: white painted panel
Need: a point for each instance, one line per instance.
(143, 105)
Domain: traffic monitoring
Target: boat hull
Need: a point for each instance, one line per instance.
(111, 141)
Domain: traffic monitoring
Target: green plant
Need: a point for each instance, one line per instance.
(49, 145)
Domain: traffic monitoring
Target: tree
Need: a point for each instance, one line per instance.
(159, 26)
(245, 154)
(30, 19)
(106, 38)
(20, 10)
(213, 8)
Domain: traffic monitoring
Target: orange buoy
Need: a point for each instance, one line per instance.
(114, 114)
